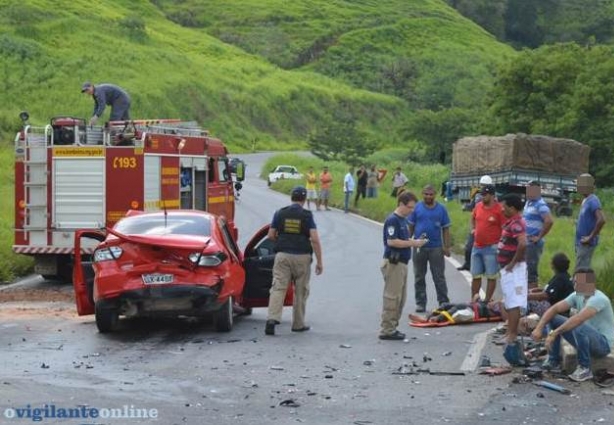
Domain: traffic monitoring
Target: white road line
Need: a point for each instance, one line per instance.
(472, 358)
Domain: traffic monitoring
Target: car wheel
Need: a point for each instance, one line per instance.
(106, 318)
(224, 317)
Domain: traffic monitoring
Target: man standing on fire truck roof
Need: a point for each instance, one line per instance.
(108, 94)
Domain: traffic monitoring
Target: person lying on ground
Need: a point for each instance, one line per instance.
(461, 312)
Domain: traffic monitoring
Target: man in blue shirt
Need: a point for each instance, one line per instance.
(430, 220)
(590, 221)
(397, 253)
(590, 330)
(539, 221)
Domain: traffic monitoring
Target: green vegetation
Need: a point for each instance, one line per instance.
(50, 48)
(564, 91)
(533, 23)
(561, 237)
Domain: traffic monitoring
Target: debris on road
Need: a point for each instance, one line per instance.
(553, 387)
(495, 371)
(289, 403)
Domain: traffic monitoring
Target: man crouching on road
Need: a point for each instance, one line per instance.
(397, 253)
(590, 330)
(296, 237)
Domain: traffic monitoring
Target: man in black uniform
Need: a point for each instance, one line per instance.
(296, 238)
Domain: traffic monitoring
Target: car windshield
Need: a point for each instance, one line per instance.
(174, 224)
(286, 169)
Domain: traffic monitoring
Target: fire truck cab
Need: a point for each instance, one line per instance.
(71, 176)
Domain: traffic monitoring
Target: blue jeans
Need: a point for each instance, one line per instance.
(346, 201)
(532, 255)
(586, 340)
(484, 262)
(371, 192)
(584, 255)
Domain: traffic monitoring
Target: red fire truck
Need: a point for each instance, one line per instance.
(71, 176)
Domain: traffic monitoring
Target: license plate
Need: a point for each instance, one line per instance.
(157, 278)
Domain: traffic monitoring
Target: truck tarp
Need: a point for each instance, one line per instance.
(490, 154)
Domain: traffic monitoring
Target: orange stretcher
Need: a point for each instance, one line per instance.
(424, 323)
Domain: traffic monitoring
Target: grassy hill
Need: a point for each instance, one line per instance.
(419, 50)
(49, 48)
(247, 70)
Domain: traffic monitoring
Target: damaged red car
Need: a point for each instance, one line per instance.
(171, 263)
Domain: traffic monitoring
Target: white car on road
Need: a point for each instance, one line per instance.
(283, 172)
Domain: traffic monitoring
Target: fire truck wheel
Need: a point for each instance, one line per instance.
(224, 317)
(106, 319)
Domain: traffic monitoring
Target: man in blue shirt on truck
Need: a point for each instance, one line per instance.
(108, 94)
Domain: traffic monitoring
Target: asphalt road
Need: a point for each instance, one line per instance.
(338, 373)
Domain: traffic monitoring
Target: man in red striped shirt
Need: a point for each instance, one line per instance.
(514, 279)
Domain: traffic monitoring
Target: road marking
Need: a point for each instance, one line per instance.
(472, 358)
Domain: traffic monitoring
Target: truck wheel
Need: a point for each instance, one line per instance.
(106, 319)
(224, 317)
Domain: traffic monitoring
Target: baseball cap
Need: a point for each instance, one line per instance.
(298, 193)
(86, 86)
(488, 189)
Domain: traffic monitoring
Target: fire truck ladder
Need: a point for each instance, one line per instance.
(36, 172)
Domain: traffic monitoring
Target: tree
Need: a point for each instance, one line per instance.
(562, 90)
(439, 129)
(341, 141)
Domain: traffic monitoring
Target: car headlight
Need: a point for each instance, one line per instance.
(207, 260)
(108, 254)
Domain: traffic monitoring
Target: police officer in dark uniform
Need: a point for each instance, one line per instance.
(296, 238)
(397, 253)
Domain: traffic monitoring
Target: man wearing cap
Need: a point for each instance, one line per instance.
(590, 221)
(475, 198)
(108, 94)
(295, 235)
(590, 331)
(486, 222)
(539, 221)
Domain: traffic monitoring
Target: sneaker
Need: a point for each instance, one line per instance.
(269, 329)
(552, 366)
(514, 355)
(420, 309)
(395, 336)
(581, 374)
